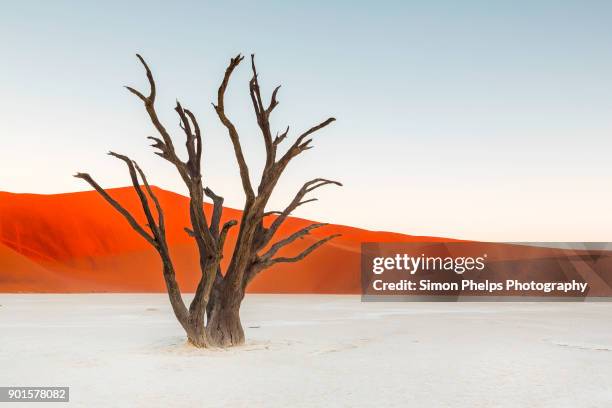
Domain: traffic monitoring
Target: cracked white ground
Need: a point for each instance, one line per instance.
(309, 350)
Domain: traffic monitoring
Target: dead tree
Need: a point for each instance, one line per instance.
(212, 318)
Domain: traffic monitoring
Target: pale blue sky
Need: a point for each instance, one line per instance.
(474, 119)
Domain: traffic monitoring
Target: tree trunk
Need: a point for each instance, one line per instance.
(224, 328)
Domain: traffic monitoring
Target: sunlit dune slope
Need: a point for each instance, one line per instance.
(76, 242)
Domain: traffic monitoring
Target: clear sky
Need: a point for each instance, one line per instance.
(473, 119)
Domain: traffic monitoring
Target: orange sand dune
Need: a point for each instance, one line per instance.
(76, 242)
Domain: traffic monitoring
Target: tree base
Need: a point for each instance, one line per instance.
(223, 330)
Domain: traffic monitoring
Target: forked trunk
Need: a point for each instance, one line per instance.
(223, 327)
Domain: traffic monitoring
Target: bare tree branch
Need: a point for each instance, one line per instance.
(190, 170)
(268, 213)
(158, 240)
(300, 145)
(279, 138)
(296, 202)
(223, 234)
(291, 238)
(141, 195)
(166, 146)
(217, 211)
(262, 264)
(274, 169)
(160, 213)
(305, 252)
(152, 92)
(263, 117)
(126, 214)
(233, 133)
(198, 139)
(193, 139)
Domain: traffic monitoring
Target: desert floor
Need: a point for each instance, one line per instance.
(116, 350)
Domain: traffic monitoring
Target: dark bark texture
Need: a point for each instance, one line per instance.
(213, 316)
